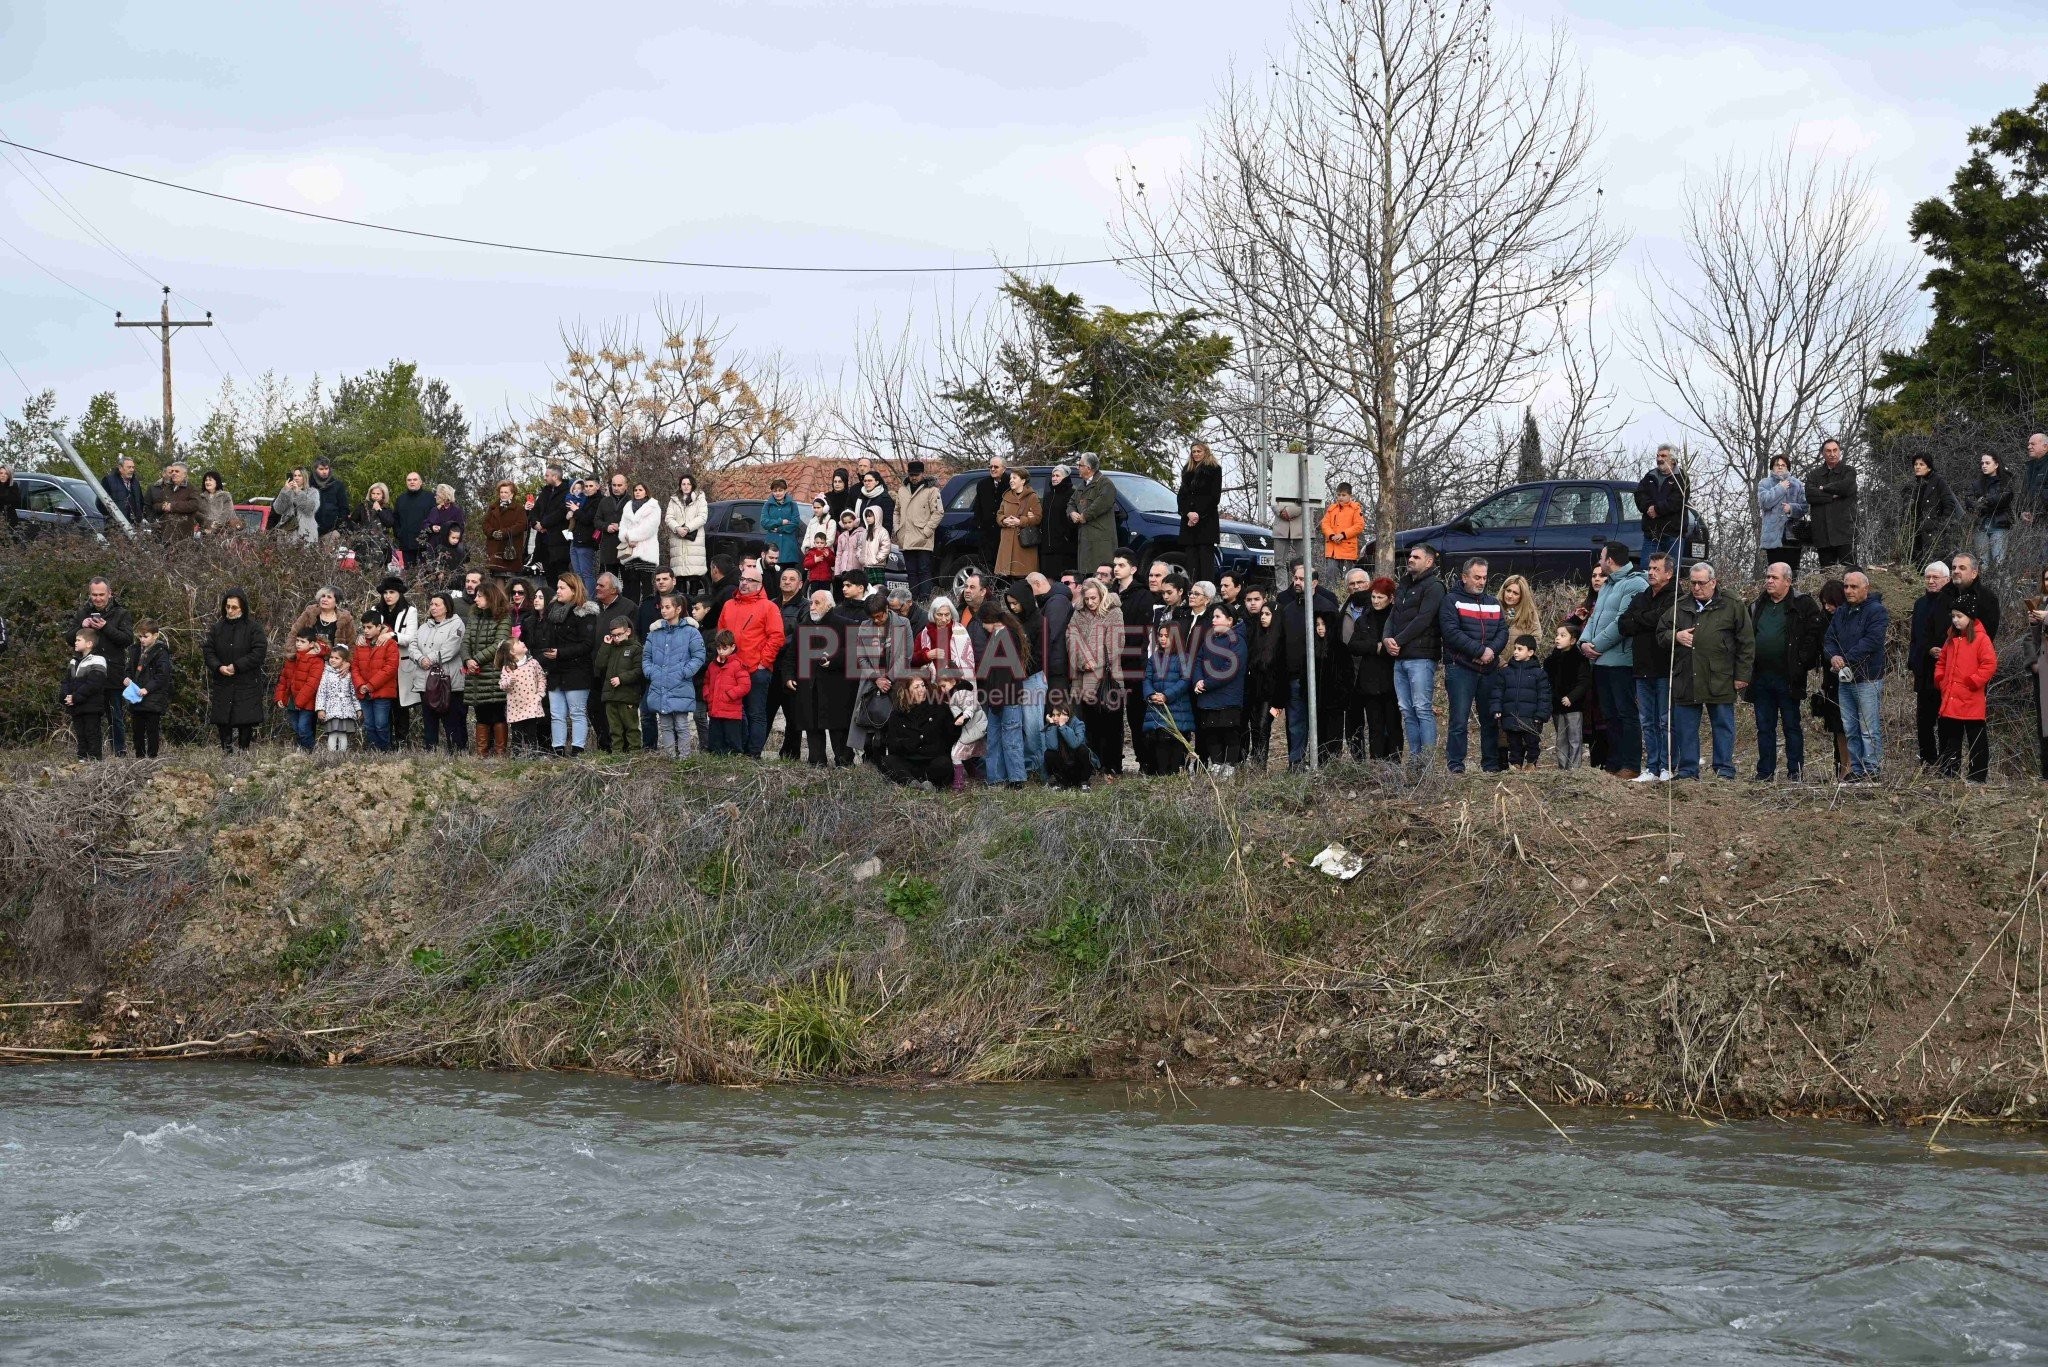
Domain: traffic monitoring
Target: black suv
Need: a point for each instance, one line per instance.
(52, 503)
(1549, 531)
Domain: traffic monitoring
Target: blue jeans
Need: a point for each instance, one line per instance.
(1669, 545)
(1462, 689)
(1653, 722)
(304, 725)
(1685, 732)
(1617, 686)
(1415, 693)
(377, 722)
(758, 698)
(1297, 723)
(583, 560)
(1860, 727)
(1771, 697)
(1005, 761)
(1034, 723)
(568, 716)
(1990, 546)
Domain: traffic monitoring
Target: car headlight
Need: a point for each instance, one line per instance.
(1231, 541)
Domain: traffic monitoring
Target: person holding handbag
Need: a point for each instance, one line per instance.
(1019, 515)
(684, 519)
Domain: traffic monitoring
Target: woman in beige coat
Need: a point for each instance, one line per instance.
(684, 521)
(1019, 512)
(1095, 655)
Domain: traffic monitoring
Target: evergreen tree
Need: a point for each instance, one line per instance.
(1987, 347)
(1529, 460)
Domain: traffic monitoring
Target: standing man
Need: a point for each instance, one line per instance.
(111, 624)
(175, 505)
(1649, 624)
(1923, 650)
(1662, 497)
(1475, 637)
(1343, 527)
(333, 502)
(1413, 640)
(549, 518)
(1297, 646)
(1973, 596)
(2034, 480)
(988, 507)
(124, 491)
(611, 506)
(918, 514)
(1092, 510)
(1715, 653)
(1786, 628)
(1614, 674)
(1831, 506)
(412, 508)
(756, 623)
(1135, 602)
(1855, 649)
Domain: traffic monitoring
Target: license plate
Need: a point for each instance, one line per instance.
(1696, 550)
(1263, 557)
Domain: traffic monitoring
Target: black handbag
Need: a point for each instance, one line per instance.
(1799, 531)
(1027, 536)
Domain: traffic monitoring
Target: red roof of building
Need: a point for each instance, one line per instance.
(807, 476)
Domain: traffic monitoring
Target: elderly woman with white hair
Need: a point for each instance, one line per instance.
(1058, 536)
(942, 646)
(445, 524)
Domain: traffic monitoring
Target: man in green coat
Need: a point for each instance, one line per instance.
(1713, 650)
(1093, 510)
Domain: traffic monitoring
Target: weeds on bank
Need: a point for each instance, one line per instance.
(805, 1030)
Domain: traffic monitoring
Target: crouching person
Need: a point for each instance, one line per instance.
(917, 740)
(1069, 762)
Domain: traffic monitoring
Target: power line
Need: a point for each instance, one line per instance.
(582, 255)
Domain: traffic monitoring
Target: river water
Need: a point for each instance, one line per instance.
(231, 1214)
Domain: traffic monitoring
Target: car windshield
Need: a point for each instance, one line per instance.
(1144, 493)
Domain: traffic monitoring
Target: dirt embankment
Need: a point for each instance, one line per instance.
(1719, 949)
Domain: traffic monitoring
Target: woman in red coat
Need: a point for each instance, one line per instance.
(1963, 673)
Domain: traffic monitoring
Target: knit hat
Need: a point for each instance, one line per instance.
(391, 583)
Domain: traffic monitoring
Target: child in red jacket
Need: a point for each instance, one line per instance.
(818, 563)
(375, 669)
(298, 685)
(726, 685)
(1962, 673)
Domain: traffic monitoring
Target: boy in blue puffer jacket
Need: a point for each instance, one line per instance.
(671, 659)
(1524, 700)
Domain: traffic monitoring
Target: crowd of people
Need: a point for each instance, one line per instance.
(596, 621)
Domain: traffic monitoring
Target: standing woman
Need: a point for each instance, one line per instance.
(639, 542)
(522, 602)
(1518, 605)
(581, 507)
(1095, 658)
(328, 620)
(1169, 700)
(1006, 664)
(437, 528)
(688, 512)
(437, 649)
(1931, 512)
(840, 498)
(217, 515)
(10, 503)
(376, 528)
(296, 509)
(1780, 501)
(505, 531)
(565, 643)
(1991, 510)
(1060, 535)
(404, 620)
(490, 626)
(1200, 498)
(1018, 515)
(234, 652)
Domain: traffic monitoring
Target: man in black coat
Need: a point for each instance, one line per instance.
(1136, 602)
(1416, 645)
(412, 508)
(549, 517)
(115, 630)
(606, 510)
(1831, 506)
(1055, 613)
(988, 504)
(1973, 595)
(1788, 628)
(1662, 497)
(124, 490)
(1296, 633)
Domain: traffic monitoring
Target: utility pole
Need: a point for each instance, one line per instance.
(167, 325)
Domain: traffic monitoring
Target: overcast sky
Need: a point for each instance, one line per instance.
(785, 131)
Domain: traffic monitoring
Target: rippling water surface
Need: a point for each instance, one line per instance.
(219, 1214)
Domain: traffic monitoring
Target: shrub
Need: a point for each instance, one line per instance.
(310, 951)
(1080, 938)
(913, 899)
(803, 1030)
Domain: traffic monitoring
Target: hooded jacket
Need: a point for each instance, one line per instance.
(85, 683)
(237, 699)
(1167, 674)
(1604, 630)
(298, 678)
(671, 660)
(619, 660)
(726, 685)
(1523, 695)
(1343, 529)
(375, 669)
(480, 644)
(1965, 670)
(1221, 663)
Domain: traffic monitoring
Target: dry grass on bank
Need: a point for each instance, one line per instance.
(1715, 949)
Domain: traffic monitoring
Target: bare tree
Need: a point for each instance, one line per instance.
(1400, 207)
(1770, 344)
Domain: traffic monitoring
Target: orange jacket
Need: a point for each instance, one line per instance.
(1964, 671)
(1343, 529)
(298, 681)
(376, 669)
(756, 624)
